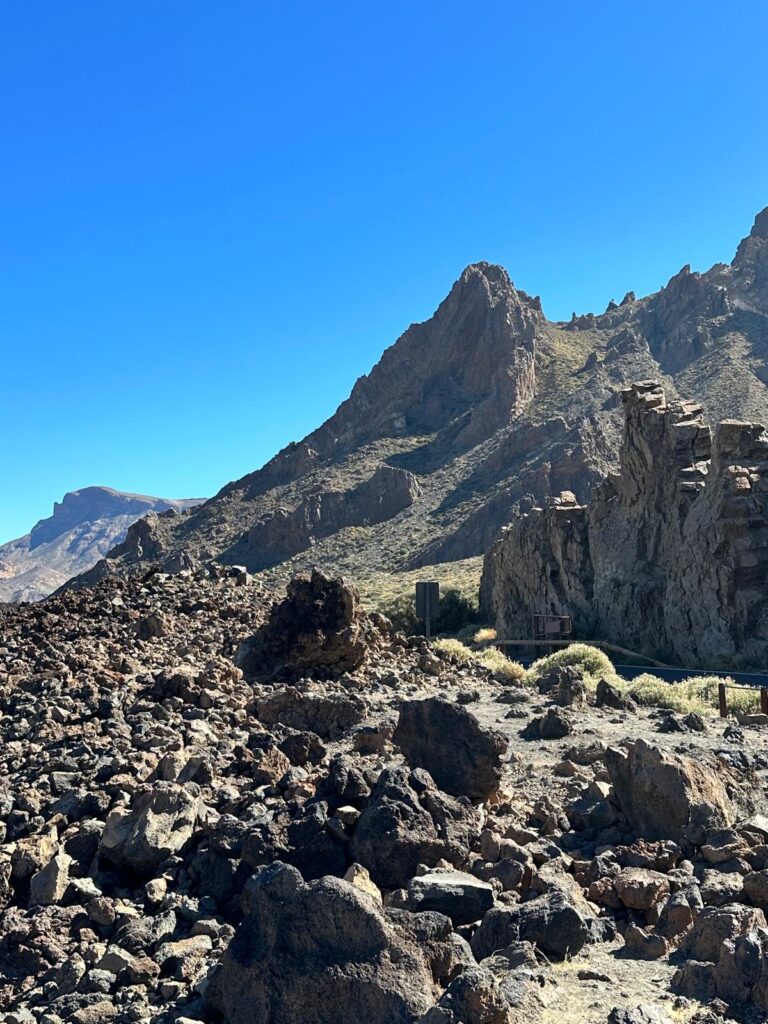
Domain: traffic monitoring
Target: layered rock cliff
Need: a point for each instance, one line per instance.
(669, 556)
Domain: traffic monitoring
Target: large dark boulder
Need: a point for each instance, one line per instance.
(319, 629)
(559, 923)
(457, 894)
(666, 796)
(325, 952)
(409, 822)
(462, 756)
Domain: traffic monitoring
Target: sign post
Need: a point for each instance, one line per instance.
(427, 604)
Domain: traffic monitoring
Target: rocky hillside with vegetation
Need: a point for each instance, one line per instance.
(85, 525)
(475, 415)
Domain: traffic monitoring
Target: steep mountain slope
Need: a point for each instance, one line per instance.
(468, 418)
(85, 524)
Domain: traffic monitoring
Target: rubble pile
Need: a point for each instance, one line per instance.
(356, 828)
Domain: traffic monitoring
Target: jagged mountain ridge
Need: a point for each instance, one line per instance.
(473, 415)
(85, 525)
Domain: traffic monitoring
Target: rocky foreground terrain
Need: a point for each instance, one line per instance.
(222, 807)
(476, 415)
(85, 525)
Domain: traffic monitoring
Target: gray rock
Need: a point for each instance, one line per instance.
(458, 895)
(50, 883)
(463, 757)
(158, 824)
(325, 946)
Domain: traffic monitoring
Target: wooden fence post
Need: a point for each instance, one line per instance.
(721, 698)
(764, 700)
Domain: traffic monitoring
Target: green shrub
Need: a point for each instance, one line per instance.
(492, 658)
(401, 611)
(489, 658)
(698, 693)
(455, 648)
(591, 662)
(456, 612)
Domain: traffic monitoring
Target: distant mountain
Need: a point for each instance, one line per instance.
(85, 524)
(473, 416)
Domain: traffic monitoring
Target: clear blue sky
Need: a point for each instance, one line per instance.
(215, 215)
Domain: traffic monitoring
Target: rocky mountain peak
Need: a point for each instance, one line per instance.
(459, 375)
(89, 504)
(477, 413)
(478, 346)
(85, 524)
(760, 227)
(750, 267)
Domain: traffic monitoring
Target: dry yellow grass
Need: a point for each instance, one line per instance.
(698, 693)
(485, 636)
(380, 589)
(488, 657)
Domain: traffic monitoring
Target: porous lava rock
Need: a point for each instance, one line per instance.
(462, 756)
(318, 629)
(324, 951)
(408, 821)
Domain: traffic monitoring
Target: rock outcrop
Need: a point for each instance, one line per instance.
(326, 946)
(285, 533)
(668, 557)
(461, 756)
(319, 628)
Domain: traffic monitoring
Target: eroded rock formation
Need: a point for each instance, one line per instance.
(319, 627)
(669, 557)
(287, 532)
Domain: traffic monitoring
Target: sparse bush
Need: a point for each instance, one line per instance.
(455, 648)
(698, 693)
(485, 636)
(401, 611)
(650, 691)
(499, 663)
(489, 658)
(591, 662)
